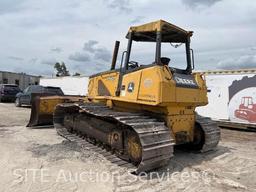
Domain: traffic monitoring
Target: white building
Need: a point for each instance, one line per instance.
(231, 95)
(70, 85)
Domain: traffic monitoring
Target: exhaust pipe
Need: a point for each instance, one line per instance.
(115, 54)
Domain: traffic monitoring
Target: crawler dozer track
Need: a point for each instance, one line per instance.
(211, 133)
(145, 141)
(91, 123)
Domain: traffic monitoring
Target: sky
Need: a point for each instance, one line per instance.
(35, 35)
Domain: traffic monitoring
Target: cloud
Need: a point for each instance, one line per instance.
(253, 48)
(15, 58)
(121, 5)
(196, 3)
(30, 29)
(48, 61)
(99, 67)
(100, 53)
(85, 69)
(91, 49)
(89, 46)
(7, 6)
(103, 54)
(137, 19)
(33, 60)
(242, 62)
(56, 50)
(80, 57)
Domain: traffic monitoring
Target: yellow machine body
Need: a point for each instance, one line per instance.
(155, 91)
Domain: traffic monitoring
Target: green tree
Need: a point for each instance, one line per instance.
(61, 69)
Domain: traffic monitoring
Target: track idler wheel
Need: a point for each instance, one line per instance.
(134, 148)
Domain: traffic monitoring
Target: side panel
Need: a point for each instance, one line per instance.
(150, 85)
(142, 86)
(131, 86)
(104, 84)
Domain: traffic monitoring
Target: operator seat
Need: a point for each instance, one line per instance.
(165, 60)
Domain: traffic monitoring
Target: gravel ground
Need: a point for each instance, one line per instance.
(40, 160)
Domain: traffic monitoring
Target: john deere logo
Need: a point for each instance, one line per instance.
(184, 81)
(130, 87)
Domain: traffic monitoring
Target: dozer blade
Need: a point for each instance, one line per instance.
(43, 105)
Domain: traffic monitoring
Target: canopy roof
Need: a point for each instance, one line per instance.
(170, 32)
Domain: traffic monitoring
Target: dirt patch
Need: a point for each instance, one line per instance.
(237, 136)
(63, 150)
(5, 132)
(13, 116)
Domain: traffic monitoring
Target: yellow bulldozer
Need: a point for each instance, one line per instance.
(139, 112)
